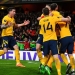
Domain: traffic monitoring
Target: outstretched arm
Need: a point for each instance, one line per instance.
(68, 19)
(23, 24)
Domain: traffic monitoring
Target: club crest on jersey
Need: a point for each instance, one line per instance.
(4, 20)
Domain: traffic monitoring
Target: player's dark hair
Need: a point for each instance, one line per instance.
(10, 9)
(45, 11)
(53, 6)
(62, 13)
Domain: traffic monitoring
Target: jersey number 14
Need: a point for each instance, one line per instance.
(49, 27)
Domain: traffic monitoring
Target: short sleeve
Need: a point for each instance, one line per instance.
(42, 16)
(4, 21)
(59, 16)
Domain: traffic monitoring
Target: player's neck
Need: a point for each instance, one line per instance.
(10, 15)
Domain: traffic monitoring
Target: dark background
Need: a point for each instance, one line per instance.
(29, 1)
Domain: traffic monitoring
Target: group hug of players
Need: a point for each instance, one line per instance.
(47, 37)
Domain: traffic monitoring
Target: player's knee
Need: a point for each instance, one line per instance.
(38, 47)
(16, 47)
(5, 50)
(50, 54)
(55, 56)
(70, 55)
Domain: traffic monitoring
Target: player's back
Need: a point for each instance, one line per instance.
(48, 28)
(64, 27)
(56, 13)
(65, 31)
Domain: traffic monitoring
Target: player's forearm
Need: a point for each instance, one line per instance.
(19, 25)
(4, 26)
(66, 19)
(23, 24)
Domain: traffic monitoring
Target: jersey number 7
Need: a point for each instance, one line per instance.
(49, 27)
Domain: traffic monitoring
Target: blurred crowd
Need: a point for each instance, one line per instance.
(26, 36)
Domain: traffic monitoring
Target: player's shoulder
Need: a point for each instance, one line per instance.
(5, 17)
(55, 13)
(42, 19)
(42, 15)
(48, 17)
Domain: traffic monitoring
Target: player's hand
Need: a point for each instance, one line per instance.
(69, 18)
(26, 22)
(38, 18)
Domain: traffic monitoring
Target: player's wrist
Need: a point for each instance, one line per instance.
(23, 24)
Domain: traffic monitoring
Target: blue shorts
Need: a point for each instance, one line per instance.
(50, 45)
(8, 42)
(40, 39)
(67, 44)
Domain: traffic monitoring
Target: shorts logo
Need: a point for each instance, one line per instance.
(5, 42)
(38, 38)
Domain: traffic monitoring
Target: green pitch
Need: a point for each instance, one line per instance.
(7, 67)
